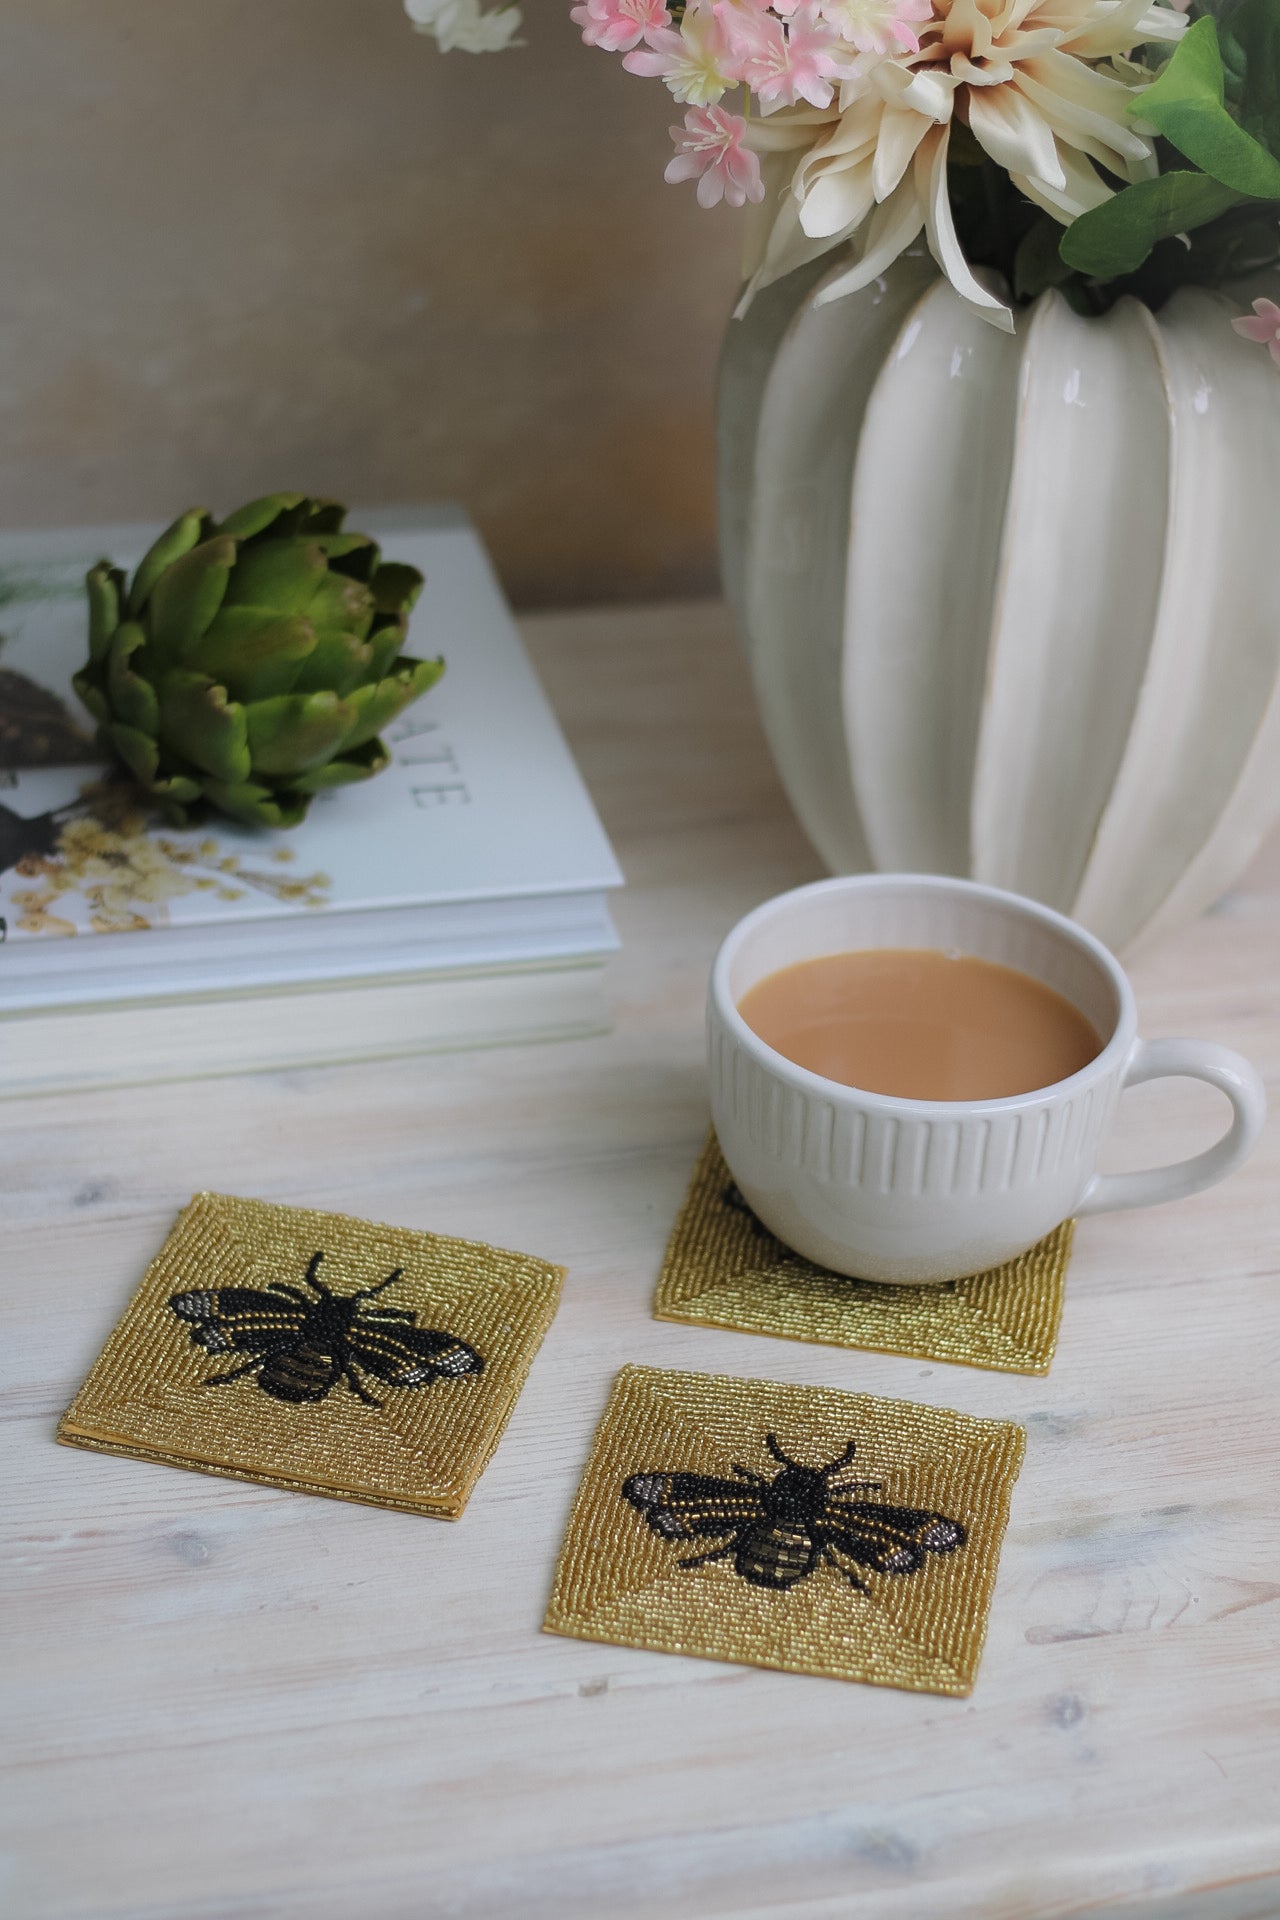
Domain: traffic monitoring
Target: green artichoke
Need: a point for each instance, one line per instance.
(252, 664)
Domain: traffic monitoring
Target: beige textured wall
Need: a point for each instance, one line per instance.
(258, 243)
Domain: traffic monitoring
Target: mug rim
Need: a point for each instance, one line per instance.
(1114, 1054)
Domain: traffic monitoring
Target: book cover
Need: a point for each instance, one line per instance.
(482, 801)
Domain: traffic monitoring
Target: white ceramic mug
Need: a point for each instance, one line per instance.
(914, 1190)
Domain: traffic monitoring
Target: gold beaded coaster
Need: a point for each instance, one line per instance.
(319, 1353)
(790, 1527)
(724, 1269)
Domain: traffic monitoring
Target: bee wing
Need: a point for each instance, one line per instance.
(692, 1506)
(887, 1539)
(411, 1356)
(239, 1319)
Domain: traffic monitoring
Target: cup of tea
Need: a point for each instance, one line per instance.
(912, 1077)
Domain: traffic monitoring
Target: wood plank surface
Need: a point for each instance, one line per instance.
(225, 1701)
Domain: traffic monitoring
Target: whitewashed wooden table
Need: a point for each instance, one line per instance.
(226, 1701)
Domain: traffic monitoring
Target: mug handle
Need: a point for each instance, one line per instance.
(1190, 1060)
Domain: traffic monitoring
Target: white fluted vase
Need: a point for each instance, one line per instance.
(1012, 603)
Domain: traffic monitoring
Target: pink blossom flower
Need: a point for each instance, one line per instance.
(710, 150)
(783, 65)
(693, 62)
(619, 25)
(736, 11)
(1262, 325)
(877, 26)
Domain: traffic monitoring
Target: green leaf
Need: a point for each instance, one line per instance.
(297, 732)
(185, 533)
(103, 584)
(396, 587)
(1255, 27)
(1116, 238)
(361, 764)
(247, 522)
(92, 696)
(280, 574)
(343, 603)
(179, 788)
(340, 662)
(1038, 263)
(133, 700)
(202, 726)
(377, 706)
(352, 553)
(252, 653)
(188, 594)
(256, 806)
(138, 751)
(175, 791)
(1186, 105)
(323, 516)
(385, 643)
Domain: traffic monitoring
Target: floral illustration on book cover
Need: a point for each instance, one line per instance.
(92, 857)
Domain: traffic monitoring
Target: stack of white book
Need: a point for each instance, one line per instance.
(457, 900)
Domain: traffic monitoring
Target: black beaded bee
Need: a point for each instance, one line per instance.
(303, 1346)
(781, 1530)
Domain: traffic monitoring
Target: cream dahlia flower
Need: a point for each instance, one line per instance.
(1041, 85)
